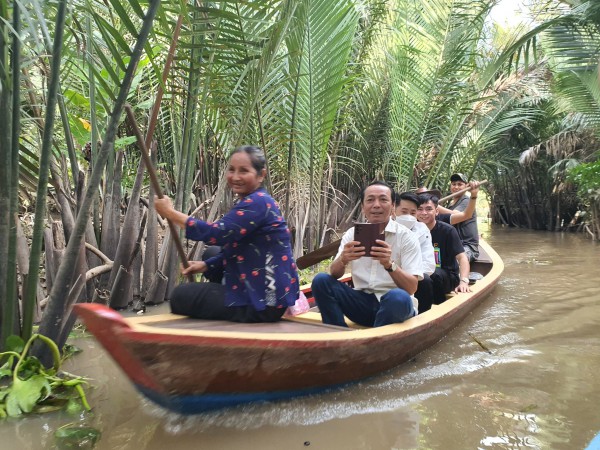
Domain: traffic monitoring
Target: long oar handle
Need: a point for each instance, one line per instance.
(461, 192)
(156, 185)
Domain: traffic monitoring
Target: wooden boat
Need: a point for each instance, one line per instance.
(189, 365)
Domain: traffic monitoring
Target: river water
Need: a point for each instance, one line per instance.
(536, 388)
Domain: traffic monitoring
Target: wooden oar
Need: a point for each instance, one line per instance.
(156, 185)
(318, 255)
(329, 250)
(461, 192)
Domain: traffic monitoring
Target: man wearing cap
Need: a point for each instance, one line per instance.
(467, 229)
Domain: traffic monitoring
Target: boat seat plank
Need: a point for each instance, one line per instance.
(483, 256)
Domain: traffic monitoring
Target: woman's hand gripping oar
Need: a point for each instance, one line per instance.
(156, 186)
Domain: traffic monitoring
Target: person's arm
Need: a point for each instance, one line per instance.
(349, 251)
(443, 210)
(244, 218)
(164, 207)
(427, 251)
(462, 205)
(403, 279)
(194, 267)
(464, 269)
(461, 216)
(214, 266)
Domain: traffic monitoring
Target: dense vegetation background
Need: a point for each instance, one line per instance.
(337, 92)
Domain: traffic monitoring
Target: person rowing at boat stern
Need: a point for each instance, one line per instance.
(452, 265)
(259, 276)
(384, 283)
(465, 224)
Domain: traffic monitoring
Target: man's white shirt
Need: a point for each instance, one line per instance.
(370, 276)
(424, 236)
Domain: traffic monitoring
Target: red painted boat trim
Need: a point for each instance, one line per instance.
(107, 326)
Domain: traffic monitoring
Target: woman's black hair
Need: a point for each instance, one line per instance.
(256, 155)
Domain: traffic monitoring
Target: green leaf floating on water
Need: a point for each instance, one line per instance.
(76, 437)
(74, 406)
(24, 394)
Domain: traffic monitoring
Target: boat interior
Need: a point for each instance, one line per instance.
(308, 322)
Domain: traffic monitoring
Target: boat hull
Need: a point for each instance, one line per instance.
(191, 371)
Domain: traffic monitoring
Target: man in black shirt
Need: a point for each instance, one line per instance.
(452, 264)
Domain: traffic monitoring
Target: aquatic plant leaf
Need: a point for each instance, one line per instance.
(24, 394)
(70, 350)
(74, 406)
(14, 343)
(76, 437)
(50, 405)
(6, 369)
(29, 367)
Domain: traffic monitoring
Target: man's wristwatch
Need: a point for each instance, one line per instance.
(392, 267)
(464, 280)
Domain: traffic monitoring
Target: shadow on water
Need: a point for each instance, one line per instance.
(535, 388)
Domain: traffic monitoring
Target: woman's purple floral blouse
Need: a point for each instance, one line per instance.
(256, 257)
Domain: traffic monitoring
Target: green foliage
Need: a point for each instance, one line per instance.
(76, 437)
(587, 178)
(307, 275)
(30, 387)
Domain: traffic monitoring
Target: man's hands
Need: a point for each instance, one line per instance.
(383, 253)
(462, 287)
(474, 185)
(353, 250)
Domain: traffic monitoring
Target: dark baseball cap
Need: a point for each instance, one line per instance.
(459, 177)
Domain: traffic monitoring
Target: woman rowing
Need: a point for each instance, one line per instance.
(260, 279)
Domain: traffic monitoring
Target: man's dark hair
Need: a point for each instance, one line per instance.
(424, 198)
(376, 183)
(408, 196)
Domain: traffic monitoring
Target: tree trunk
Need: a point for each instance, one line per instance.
(51, 325)
(111, 226)
(157, 290)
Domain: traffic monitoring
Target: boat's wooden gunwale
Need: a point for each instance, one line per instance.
(139, 324)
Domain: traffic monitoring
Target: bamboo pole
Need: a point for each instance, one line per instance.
(156, 185)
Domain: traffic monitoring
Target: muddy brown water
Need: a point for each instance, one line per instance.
(537, 388)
